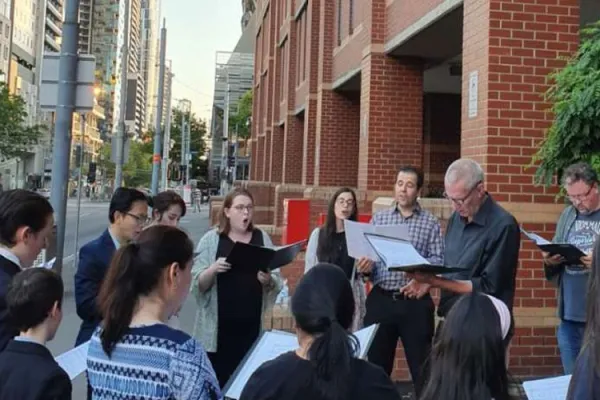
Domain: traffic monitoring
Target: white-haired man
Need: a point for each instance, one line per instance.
(481, 237)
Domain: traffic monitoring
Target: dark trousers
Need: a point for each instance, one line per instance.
(235, 338)
(412, 321)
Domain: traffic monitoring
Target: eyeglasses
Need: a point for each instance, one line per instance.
(461, 202)
(140, 219)
(344, 202)
(580, 197)
(241, 208)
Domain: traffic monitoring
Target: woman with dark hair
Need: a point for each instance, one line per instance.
(324, 366)
(328, 244)
(585, 381)
(468, 359)
(167, 208)
(231, 302)
(133, 354)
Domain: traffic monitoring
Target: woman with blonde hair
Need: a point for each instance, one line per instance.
(231, 302)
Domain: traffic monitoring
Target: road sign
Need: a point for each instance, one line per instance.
(84, 97)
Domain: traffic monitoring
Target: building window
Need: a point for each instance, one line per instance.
(339, 22)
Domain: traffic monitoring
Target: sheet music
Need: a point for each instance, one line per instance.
(548, 389)
(396, 252)
(535, 237)
(48, 265)
(357, 244)
(74, 361)
(274, 343)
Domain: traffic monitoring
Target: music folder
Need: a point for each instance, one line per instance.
(571, 253)
(401, 255)
(272, 344)
(265, 258)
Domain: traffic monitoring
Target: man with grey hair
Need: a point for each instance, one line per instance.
(481, 237)
(579, 225)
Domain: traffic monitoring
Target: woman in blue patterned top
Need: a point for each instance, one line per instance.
(134, 355)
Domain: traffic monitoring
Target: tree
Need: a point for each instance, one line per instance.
(16, 138)
(197, 142)
(575, 94)
(138, 169)
(240, 121)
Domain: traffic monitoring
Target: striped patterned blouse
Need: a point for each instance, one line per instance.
(152, 362)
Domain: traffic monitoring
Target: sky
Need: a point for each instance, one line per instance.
(196, 30)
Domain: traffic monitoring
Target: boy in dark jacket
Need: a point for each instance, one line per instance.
(27, 368)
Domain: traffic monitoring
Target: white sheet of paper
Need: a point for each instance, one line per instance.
(397, 253)
(274, 343)
(548, 389)
(357, 244)
(48, 265)
(535, 237)
(74, 361)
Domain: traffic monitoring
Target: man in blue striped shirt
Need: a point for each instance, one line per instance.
(410, 318)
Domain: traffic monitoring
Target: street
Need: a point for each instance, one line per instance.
(94, 219)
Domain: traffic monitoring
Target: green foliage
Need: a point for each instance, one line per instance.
(138, 169)
(575, 94)
(241, 118)
(198, 133)
(16, 137)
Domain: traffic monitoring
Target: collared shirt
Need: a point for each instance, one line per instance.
(488, 249)
(27, 339)
(425, 235)
(10, 256)
(114, 239)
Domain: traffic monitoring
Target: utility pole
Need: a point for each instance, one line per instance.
(64, 123)
(121, 130)
(159, 109)
(167, 136)
(188, 156)
(79, 187)
(185, 107)
(225, 162)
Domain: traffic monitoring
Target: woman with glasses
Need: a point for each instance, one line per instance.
(231, 301)
(327, 244)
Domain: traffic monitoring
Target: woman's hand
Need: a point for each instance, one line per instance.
(364, 265)
(587, 260)
(554, 260)
(264, 278)
(220, 266)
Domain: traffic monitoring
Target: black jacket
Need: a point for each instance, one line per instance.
(8, 269)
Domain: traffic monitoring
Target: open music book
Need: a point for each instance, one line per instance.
(264, 258)
(74, 361)
(571, 253)
(401, 255)
(548, 389)
(272, 344)
(357, 243)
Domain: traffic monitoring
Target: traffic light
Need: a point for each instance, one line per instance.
(92, 173)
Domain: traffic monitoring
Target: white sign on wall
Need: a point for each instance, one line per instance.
(473, 95)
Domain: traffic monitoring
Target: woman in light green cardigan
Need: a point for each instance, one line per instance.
(232, 301)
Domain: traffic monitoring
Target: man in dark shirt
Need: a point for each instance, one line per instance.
(481, 237)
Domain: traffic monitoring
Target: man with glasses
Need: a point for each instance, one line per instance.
(579, 225)
(481, 237)
(128, 215)
(400, 315)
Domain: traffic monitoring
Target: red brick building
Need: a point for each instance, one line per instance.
(346, 90)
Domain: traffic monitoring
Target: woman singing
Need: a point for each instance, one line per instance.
(231, 302)
(328, 244)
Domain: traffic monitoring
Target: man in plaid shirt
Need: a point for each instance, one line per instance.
(410, 318)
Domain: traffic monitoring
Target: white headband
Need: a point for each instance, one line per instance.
(503, 314)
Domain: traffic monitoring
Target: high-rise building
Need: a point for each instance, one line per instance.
(248, 6)
(149, 59)
(51, 19)
(86, 13)
(5, 39)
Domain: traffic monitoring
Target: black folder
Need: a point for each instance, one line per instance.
(571, 253)
(264, 258)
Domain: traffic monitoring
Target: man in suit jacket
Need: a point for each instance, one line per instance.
(27, 368)
(128, 214)
(26, 221)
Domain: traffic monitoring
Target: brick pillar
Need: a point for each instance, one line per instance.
(260, 158)
(293, 143)
(268, 155)
(276, 155)
(253, 158)
(526, 42)
(337, 139)
(391, 119)
(309, 147)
